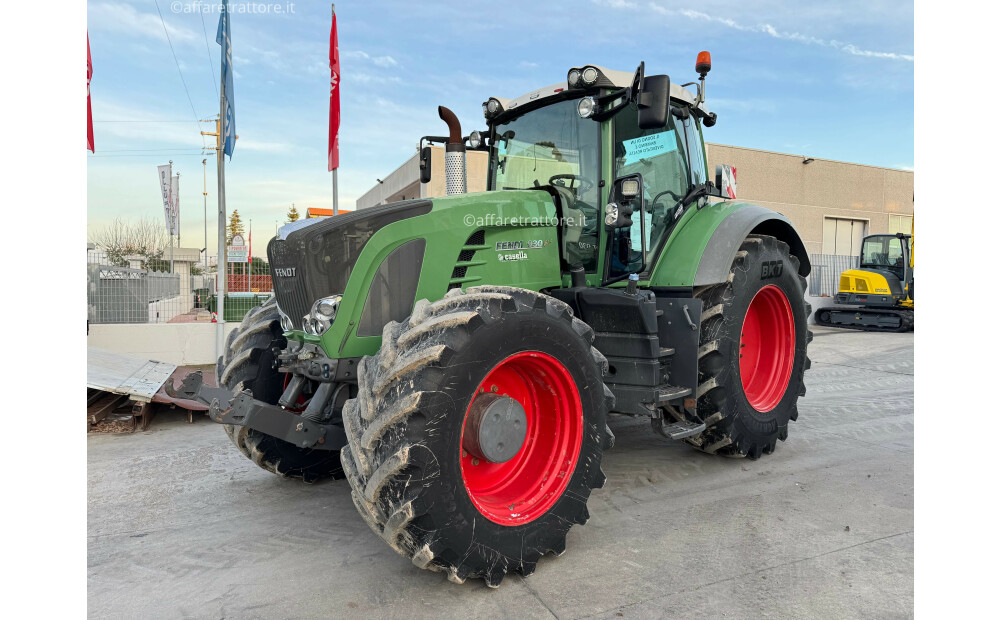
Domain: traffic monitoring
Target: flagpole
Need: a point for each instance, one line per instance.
(220, 269)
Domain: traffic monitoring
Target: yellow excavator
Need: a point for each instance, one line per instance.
(878, 296)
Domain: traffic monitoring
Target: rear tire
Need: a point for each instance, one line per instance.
(410, 477)
(249, 364)
(760, 311)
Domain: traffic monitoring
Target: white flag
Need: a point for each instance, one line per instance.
(175, 208)
(164, 174)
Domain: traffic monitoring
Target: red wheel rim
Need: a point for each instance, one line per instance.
(767, 348)
(525, 487)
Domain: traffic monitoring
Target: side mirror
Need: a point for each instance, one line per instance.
(725, 181)
(654, 102)
(425, 164)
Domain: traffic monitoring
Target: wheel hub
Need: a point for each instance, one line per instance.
(495, 428)
(539, 460)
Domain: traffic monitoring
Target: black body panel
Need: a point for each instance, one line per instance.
(648, 339)
(316, 261)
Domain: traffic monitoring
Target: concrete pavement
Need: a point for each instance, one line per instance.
(181, 525)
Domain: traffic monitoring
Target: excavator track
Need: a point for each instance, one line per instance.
(866, 319)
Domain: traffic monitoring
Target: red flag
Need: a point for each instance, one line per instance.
(334, 144)
(90, 119)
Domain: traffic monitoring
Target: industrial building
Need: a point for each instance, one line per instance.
(833, 204)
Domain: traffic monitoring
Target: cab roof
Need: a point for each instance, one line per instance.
(619, 79)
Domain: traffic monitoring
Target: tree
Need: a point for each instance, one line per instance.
(235, 226)
(259, 267)
(293, 214)
(146, 238)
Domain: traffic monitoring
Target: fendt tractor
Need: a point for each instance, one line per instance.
(456, 358)
(878, 296)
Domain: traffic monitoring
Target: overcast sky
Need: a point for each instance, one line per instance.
(823, 79)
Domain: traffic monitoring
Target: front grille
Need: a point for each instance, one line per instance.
(862, 285)
(288, 280)
(323, 254)
(845, 283)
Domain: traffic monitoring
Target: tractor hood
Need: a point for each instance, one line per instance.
(315, 259)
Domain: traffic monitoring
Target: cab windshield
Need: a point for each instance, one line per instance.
(552, 145)
(883, 252)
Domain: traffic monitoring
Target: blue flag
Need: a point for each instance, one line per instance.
(228, 111)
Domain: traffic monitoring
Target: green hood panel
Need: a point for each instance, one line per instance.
(519, 246)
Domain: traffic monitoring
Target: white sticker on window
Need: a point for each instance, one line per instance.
(649, 146)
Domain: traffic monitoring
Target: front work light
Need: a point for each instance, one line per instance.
(492, 107)
(630, 188)
(589, 75)
(587, 107)
(475, 139)
(573, 78)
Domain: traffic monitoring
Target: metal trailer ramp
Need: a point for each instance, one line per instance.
(132, 378)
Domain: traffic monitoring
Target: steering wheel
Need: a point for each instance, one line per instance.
(585, 184)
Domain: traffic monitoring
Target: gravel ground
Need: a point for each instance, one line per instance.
(181, 525)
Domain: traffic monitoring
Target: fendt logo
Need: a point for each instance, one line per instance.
(285, 272)
(770, 269)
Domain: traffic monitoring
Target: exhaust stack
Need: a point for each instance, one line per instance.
(454, 154)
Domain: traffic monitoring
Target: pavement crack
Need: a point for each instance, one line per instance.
(538, 598)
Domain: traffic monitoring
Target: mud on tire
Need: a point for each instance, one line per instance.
(734, 427)
(248, 363)
(404, 458)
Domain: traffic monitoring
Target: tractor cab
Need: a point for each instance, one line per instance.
(622, 154)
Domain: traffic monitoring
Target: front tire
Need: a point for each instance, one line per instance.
(249, 365)
(411, 478)
(752, 356)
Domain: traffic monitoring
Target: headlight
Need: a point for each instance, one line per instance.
(323, 312)
(286, 322)
(586, 107)
(589, 75)
(475, 139)
(611, 211)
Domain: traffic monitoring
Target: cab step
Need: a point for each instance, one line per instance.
(668, 393)
(678, 430)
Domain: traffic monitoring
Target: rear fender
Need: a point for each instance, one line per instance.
(702, 249)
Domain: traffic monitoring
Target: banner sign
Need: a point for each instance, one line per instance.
(175, 206)
(165, 183)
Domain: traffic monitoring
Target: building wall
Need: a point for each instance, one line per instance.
(404, 182)
(879, 200)
(810, 193)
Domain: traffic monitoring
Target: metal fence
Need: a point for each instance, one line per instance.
(123, 295)
(132, 295)
(824, 279)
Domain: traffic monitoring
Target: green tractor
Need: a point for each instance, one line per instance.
(456, 359)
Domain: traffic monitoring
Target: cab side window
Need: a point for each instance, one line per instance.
(660, 156)
(696, 154)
